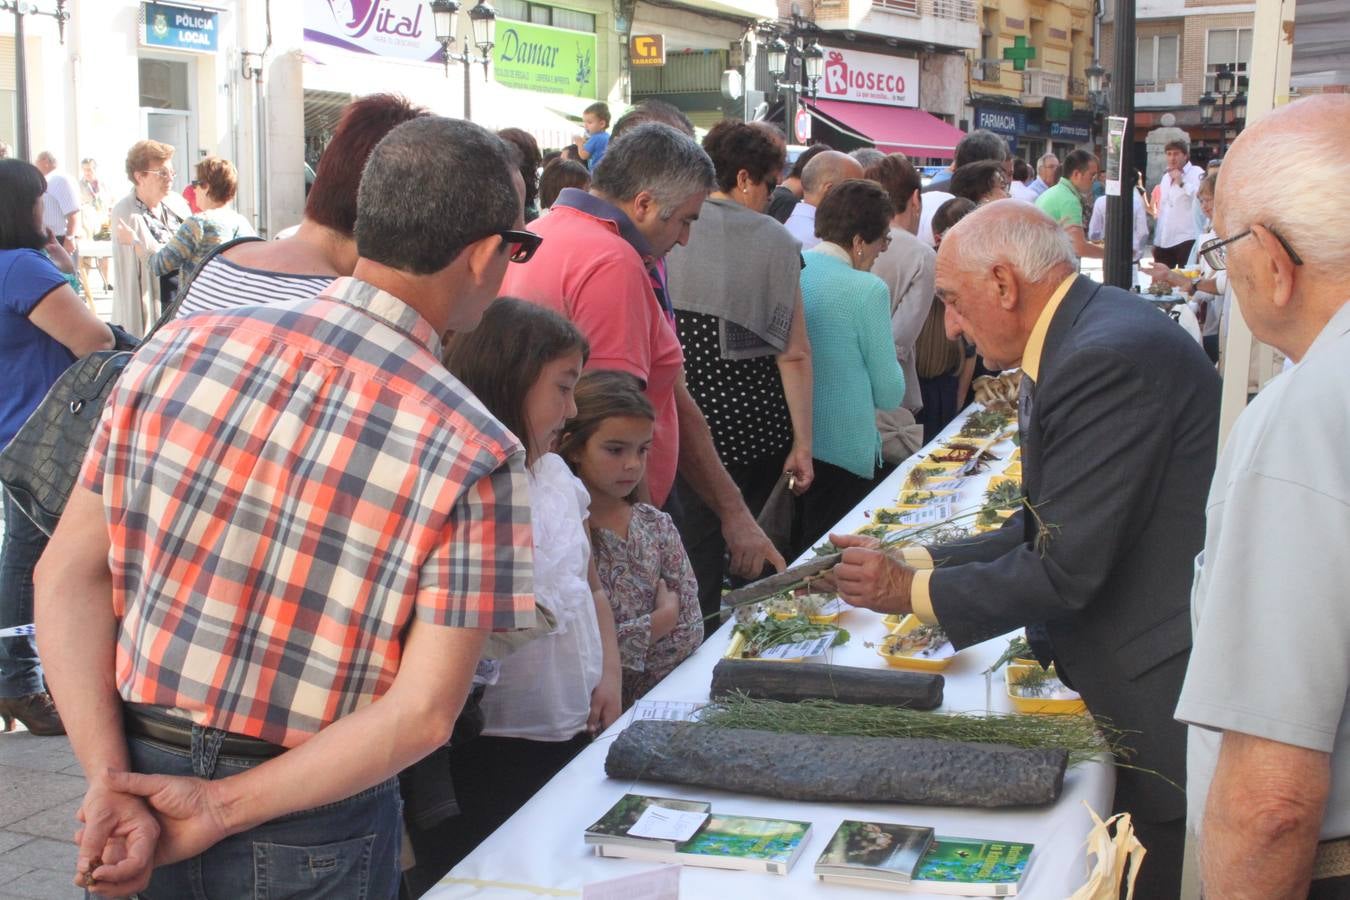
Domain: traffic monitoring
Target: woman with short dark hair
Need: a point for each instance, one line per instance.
(980, 182)
(855, 372)
(530, 160)
(747, 361)
(44, 327)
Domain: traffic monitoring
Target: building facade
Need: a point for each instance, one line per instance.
(1044, 107)
(1180, 46)
(893, 73)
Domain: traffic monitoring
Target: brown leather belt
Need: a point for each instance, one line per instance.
(1332, 859)
(177, 732)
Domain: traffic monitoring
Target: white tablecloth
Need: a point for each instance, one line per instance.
(539, 852)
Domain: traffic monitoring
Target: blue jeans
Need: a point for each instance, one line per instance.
(348, 849)
(20, 671)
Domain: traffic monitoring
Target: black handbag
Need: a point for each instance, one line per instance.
(40, 466)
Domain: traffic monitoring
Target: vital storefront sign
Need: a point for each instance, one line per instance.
(401, 29)
(870, 78)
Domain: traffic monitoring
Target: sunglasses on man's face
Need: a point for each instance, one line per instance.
(520, 245)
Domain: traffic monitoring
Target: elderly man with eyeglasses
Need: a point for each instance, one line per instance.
(1267, 686)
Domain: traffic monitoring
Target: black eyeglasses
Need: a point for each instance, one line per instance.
(1215, 252)
(519, 245)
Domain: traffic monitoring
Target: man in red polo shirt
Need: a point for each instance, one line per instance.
(598, 266)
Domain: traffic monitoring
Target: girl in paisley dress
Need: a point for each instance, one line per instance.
(638, 555)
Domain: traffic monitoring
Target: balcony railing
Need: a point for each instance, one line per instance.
(954, 10)
(1038, 84)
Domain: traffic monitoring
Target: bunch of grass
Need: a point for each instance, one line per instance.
(1083, 737)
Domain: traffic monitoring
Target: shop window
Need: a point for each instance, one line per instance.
(1227, 47)
(163, 84)
(9, 120)
(989, 55)
(9, 117)
(576, 21)
(1155, 62)
(539, 14)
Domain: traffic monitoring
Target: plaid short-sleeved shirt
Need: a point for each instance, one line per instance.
(285, 487)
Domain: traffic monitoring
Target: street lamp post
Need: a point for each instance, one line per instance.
(780, 54)
(22, 8)
(1225, 84)
(482, 18)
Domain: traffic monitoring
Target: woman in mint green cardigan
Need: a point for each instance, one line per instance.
(855, 373)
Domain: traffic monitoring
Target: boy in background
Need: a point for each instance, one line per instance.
(591, 146)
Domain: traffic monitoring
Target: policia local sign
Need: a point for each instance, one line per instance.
(180, 28)
(543, 59)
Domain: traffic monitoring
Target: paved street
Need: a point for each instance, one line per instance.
(40, 789)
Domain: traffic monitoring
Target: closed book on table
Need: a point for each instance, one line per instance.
(725, 842)
(875, 850)
(966, 867)
(613, 826)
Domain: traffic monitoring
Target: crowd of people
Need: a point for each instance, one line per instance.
(467, 469)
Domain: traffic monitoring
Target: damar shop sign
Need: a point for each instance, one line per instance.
(870, 78)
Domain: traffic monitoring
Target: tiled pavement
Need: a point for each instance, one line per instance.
(40, 789)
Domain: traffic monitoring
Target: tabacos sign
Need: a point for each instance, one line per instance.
(396, 28)
(870, 78)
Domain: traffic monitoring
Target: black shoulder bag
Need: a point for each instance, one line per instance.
(40, 466)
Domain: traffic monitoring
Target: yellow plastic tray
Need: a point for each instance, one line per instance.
(827, 619)
(1036, 704)
(904, 625)
(736, 649)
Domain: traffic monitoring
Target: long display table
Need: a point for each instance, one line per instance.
(539, 852)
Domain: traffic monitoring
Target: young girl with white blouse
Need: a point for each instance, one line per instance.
(551, 696)
(638, 554)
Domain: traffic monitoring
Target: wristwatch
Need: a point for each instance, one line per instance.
(1190, 287)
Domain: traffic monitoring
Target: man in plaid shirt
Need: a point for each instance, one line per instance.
(293, 530)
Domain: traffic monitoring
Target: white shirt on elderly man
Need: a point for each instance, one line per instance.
(1268, 607)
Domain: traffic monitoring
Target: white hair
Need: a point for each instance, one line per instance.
(1045, 158)
(1304, 142)
(1021, 236)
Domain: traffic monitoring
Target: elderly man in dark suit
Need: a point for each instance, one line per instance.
(1119, 421)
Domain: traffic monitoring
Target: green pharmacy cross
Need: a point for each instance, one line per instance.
(1019, 53)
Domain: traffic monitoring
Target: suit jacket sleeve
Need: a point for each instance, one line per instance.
(1104, 449)
(984, 547)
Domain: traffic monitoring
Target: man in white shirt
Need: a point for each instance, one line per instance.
(1097, 224)
(1176, 230)
(1268, 767)
(61, 203)
(821, 173)
(1047, 174)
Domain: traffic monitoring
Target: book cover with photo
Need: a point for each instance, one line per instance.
(966, 867)
(727, 842)
(875, 850)
(613, 826)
